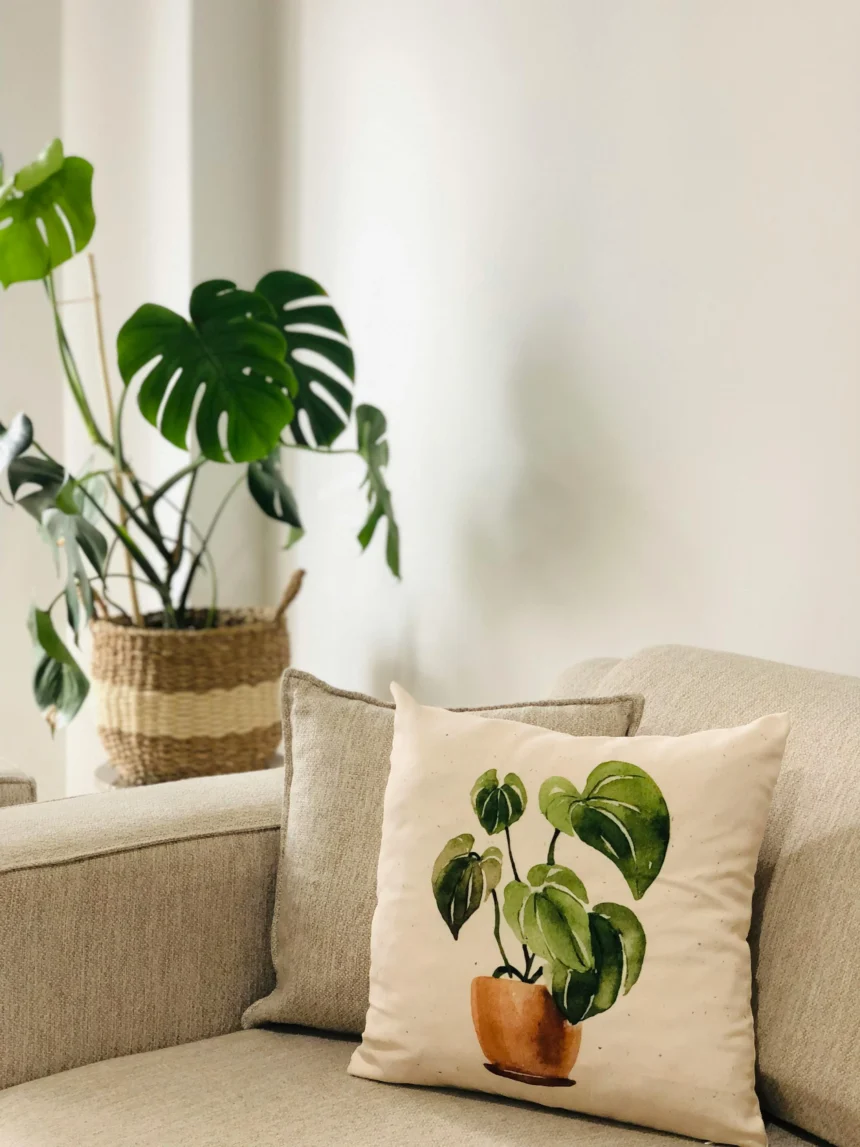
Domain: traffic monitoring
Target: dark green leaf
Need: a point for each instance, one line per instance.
(621, 813)
(59, 686)
(48, 478)
(631, 937)
(15, 440)
(76, 538)
(498, 806)
(573, 990)
(46, 215)
(270, 491)
(231, 351)
(373, 448)
(458, 881)
(608, 962)
(320, 356)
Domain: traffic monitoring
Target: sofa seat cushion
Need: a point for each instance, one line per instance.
(281, 1088)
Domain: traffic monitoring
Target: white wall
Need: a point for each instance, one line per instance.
(30, 381)
(601, 266)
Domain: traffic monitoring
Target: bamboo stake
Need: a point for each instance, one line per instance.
(137, 616)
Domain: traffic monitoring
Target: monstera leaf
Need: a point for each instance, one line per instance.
(14, 441)
(270, 491)
(549, 916)
(621, 812)
(498, 806)
(318, 352)
(59, 686)
(373, 448)
(462, 879)
(231, 351)
(46, 215)
(618, 949)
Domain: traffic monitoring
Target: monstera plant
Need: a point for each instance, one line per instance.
(246, 375)
(587, 956)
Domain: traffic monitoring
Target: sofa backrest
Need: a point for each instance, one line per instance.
(805, 934)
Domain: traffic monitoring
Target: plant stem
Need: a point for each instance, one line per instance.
(161, 490)
(198, 557)
(497, 928)
(511, 854)
(72, 375)
(550, 855)
(112, 419)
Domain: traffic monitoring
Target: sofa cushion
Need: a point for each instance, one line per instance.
(583, 678)
(336, 748)
(15, 787)
(278, 1089)
(806, 917)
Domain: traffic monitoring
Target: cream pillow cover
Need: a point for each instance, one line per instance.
(528, 881)
(337, 750)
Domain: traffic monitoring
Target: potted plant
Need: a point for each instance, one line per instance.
(529, 1030)
(180, 690)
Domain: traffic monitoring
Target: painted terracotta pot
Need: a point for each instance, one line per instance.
(522, 1033)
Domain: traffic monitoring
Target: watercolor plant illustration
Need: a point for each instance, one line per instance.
(586, 956)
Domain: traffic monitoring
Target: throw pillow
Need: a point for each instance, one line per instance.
(564, 920)
(337, 747)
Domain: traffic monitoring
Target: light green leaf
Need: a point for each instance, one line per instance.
(59, 685)
(631, 937)
(549, 916)
(516, 895)
(318, 353)
(498, 806)
(491, 863)
(556, 875)
(231, 352)
(373, 448)
(46, 215)
(270, 491)
(621, 813)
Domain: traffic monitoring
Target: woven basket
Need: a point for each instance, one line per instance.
(191, 702)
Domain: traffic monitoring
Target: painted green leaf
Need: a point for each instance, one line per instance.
(371, 428)
(573, 990)
(318, 353)
(549, 916)
(231, 352)
(608, 963)
(631, 937)
(46, 215)
(14, 440)
(621, 813)
(59, 685)
(270, 491)
(498, 806)
(458, 882)
(491, 864)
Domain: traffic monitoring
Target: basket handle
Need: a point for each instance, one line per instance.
(293, 587)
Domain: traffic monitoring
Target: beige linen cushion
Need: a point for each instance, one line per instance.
(337, 747)
(806, 917)
(678, 1052)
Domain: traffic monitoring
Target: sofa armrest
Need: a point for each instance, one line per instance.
(15, 787)
(134, 920)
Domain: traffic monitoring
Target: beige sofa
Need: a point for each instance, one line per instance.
(134, 931)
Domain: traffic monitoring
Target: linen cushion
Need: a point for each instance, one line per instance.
(669, 853)
(806, 915)
(336, 750)
(15, 787)
(264, 1089)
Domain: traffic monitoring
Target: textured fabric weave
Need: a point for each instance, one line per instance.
(806, 917)
(280, 1089)
(15, 787)
(337, 747)
(583, 678)
(133, 920)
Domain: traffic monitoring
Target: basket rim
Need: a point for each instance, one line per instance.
(264, 621)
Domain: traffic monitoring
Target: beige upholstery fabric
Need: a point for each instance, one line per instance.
(15, 787)
(133, 920)
(279, 1089)
(337, 747)
(806, 919)
(583, 679)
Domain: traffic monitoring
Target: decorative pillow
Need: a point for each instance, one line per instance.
(337, 748)
(564, 920)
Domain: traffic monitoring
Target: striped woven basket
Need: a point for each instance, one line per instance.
(176, 703)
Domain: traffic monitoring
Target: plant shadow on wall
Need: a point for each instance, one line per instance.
(249, 374)
(587, 956)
